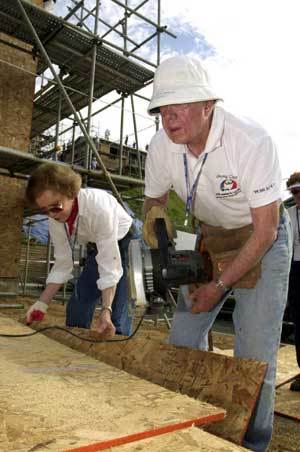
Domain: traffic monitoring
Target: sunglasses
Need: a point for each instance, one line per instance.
(295, 191)
(176, 108)
(53, 209)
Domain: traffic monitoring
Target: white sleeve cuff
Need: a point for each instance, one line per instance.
(109, 281)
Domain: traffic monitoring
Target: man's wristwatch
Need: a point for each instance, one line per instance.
(220, 285)
(106, 308)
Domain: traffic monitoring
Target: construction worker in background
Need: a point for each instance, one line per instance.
(83, 215)
(226, 170)
(57, 152)
(49, 5)
(94, 163)
(293, 185)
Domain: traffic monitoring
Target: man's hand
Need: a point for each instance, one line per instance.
(205, 297)
(148, 227)
(104, 324)
(37, 312)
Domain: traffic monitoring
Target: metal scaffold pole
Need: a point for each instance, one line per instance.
(92, 83)
(158, 52)
(136, 137)
(121, 136)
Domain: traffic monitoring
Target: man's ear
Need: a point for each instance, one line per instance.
(209, 106)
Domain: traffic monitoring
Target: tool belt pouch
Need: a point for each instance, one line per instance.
(223, 246)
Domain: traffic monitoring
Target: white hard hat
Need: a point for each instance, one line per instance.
(179, 80)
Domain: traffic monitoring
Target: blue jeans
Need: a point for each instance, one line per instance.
(86, 295)
(257, 322)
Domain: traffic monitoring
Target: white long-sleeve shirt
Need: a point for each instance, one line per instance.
(100, 220)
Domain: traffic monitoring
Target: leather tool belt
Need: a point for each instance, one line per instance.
(223, 245)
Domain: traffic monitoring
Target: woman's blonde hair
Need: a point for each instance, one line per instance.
(293, 179)
(56, 177)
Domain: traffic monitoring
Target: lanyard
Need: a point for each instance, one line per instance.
(191, 191)
(72, 238)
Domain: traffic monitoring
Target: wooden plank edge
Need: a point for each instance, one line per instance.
(288, 416)
(148, 433)
(287, 381)
(254, 401)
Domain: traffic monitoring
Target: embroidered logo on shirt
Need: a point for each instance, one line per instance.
(228, 186)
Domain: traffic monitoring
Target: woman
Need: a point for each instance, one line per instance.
(293, 184)
(87, 216)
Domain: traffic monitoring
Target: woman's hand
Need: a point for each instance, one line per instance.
(104, 324)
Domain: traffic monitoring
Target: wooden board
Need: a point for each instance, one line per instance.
(287, 365)
(192, 439)
(230, 383)
(287, 403)
(54, 398)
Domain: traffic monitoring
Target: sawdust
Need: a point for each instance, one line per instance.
(286, 434)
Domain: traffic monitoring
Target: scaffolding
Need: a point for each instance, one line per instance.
(85, 64)
(89, 67)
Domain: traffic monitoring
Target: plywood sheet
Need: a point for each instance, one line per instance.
(54, 398)
(287, 403)
(287, 365)
(224, 381)
(189, 440)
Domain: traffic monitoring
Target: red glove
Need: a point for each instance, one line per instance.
(37, 312)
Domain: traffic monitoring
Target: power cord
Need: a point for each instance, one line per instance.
(55, 327)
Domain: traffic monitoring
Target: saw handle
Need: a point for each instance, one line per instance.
(160, 230)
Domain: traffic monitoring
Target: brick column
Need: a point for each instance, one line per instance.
(16, 103)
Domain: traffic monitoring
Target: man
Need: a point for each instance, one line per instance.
(226, 171)
(49, 5)
(87, 216)
(293, 184)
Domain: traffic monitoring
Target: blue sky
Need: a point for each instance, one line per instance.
(250, 49)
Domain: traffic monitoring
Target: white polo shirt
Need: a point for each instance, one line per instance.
(241, 171)
(100, 220)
